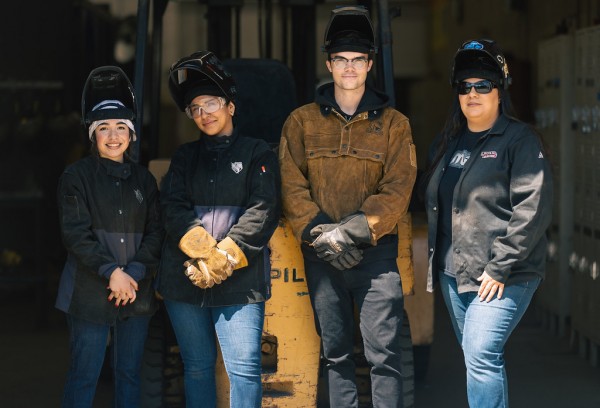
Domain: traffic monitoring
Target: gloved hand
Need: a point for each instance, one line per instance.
(197, 243)
(330, 241)
(347, 259)
(333, 239)
(234, 252)
(210, 264)
(205, 273)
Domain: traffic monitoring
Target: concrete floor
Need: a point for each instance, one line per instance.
(544, 371)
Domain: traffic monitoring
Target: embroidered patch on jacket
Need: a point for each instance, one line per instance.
(138, 195)
(459, 159)
(375, 127)
(237, 167)
(489, 155)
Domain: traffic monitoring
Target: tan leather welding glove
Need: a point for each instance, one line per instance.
(207, 272)
(197, 243)
(197, 271)
(235, 253)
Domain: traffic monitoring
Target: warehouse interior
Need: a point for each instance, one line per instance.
(553, 53)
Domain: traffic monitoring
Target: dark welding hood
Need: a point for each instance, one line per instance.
(107, 83)
(349, 29)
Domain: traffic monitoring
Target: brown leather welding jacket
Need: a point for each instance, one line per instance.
(332, 167)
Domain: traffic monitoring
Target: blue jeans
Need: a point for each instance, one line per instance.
(239, 330)
(87, 343)
(482, 330)
(377, 291)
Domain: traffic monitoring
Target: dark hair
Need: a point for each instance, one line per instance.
(456, 122)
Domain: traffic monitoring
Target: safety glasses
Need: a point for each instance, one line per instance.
(356, 63)
(481, 87)
(209, 106)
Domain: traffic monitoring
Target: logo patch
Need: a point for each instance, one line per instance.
(473, 45)
(237, 167)
(489, 155)
(459, 159)
(541, 155)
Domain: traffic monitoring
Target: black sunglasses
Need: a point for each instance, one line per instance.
(481, 87)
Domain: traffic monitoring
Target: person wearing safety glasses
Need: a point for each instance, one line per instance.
(221, 205)
(348, 168)
(489, 201)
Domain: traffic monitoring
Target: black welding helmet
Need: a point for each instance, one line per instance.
(480, 59)
(201, 73)
(349, 29)
(107, 94)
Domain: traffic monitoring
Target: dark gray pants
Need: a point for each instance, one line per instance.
(377, 291)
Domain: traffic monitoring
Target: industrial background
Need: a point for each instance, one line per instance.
(49, 47)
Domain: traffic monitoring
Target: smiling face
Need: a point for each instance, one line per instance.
(112, 139)
(348, 77)
(481, 110)
(218, 123)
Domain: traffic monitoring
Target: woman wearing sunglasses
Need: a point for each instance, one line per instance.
(489, 199)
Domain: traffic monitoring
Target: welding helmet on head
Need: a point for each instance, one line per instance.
(349, 29)
(107, 83)
(108, 94)
(480, 59)
(201, 73)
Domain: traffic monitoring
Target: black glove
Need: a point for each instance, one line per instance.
(347, 260)
(333, 239)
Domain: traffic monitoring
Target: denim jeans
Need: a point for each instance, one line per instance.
(377, 291)
(482, 330)
(87, 343)
(239, 330)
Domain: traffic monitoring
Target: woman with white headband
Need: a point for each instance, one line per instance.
(110, 224)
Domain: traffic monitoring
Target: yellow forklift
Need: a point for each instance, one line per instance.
(290, 346)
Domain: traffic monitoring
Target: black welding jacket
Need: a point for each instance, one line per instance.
(231, 187)
(109, 217)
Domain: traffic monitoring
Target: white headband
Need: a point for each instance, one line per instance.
(110, 104)
(96, 123)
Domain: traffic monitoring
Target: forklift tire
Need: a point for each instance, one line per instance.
(161, 384)
(151, 379)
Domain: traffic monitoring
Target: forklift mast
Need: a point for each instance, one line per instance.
(305, 75)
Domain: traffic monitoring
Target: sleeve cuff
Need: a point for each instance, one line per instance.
(107, 269)
(136, 270)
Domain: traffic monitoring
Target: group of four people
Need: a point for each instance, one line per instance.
(343, 178)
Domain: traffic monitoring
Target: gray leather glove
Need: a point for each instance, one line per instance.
(347, 259)
(333, 239)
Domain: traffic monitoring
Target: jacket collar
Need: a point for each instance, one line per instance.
(116, 169)
(219, 143)
(500, 125)
(372, 102)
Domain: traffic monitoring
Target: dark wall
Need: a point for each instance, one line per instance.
(54, 41)
(48, 48)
